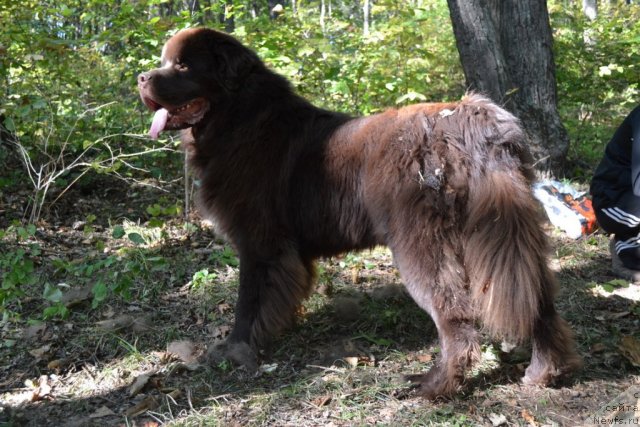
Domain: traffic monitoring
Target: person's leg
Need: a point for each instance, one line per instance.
(623, 220)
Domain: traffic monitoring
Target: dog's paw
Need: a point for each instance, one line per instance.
(238, 353)
(433, 385)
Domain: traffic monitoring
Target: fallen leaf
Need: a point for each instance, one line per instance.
(268, 368)
(42, 390)
(507, 347)
(325, 289)
(74, 297)
(102, 411)
(630, 348)
(497, 420)
(142, 324)
(367, 360)
(220, 331)
(615, 316)
(33, 331)
(146, 404)
(109, 312)
(58, 364)
(113, 325)
(529, 418)
(355, 272)
(140, 382)
(598, 348)
(321, 400)
(184, 350)
(351, 361)
(184, 367)
(224, 307)
(424, 358)
(41, 352)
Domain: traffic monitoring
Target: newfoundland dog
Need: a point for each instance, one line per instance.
(445, 186)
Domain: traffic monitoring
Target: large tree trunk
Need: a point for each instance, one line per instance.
(505, 51)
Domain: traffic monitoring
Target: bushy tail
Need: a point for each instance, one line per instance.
(506, 256)
(506, 251)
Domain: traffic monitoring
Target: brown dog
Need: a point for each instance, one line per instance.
(445, 186)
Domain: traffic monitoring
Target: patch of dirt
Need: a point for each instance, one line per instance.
(135, 361)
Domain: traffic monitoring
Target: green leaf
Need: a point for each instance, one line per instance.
(10, 125)
(608, 287)
(55, 311)
(118, 232)
(618, 283)
(136, 238)
(306, 51)
(154, 210)
(156, 223)
(52, 293)
(100, 292)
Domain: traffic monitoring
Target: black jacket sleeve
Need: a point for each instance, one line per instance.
(635, 151)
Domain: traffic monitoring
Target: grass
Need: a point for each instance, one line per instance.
(342, 364)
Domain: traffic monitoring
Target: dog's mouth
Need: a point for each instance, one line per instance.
(167, 117)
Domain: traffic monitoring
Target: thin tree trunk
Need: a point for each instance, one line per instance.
(590, 9)
(365, 12)
(226, 17)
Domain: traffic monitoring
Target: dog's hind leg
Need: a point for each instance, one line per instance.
(553, 348)
(459, 349)
(437, 283)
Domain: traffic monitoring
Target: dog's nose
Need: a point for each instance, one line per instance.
(144, 77)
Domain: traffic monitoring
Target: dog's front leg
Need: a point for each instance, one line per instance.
(271, 289)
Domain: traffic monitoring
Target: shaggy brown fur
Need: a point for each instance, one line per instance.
(445, 186)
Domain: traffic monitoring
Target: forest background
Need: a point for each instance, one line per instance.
(90, 204)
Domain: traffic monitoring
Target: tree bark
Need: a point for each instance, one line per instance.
(505, 48)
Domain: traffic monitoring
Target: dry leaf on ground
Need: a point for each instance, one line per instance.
(529, 418)
(102, 411)
(630, 348)
(42, 390)
(184, 350)
(146, 404)
(34, 331)
(497, 420)
(74, 297)
(139, 384)
(113, 325)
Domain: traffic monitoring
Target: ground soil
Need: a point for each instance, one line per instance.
(135, 361)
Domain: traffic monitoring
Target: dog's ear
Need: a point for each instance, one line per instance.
(232, 62)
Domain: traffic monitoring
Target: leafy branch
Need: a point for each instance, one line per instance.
(45, 172)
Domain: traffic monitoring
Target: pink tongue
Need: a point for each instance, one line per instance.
(159, 122)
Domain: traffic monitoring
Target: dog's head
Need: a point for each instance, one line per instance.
(199, 69)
